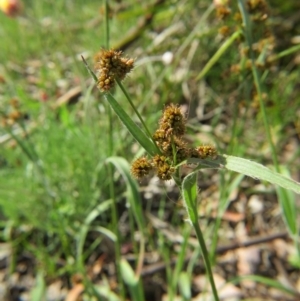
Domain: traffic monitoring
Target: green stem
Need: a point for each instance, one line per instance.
(284, 53)
(114, 211)
(180, 262)
(206, 259)
(218, 54)
(114, 216)
(189, 193)
(106, 24)
(256, 77)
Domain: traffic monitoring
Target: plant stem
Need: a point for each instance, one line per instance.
(189, 192)
(218, 54)
(114, 211)
(206, 259)
(256, 77)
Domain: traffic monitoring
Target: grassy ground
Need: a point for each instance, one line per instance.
(63, 207)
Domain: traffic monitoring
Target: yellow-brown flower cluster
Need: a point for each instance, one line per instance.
(110, 65)
(141, 167)
(205, 151)
(172, 122)
(173, 150)
(163, 167)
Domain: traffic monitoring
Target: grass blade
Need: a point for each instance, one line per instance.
(267, 281)
(134, 130)
(133, 194)
(132, 281)
(38, 291)
(255, 170)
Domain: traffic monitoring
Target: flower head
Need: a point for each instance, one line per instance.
(163, 169)
(110, 65)
(173, 121)
(141, 167)
(205, 151)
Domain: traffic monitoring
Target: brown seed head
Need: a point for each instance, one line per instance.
(163, 169)
(222, 12)
(173, 121)
(141, 167)
(110, 65)
(205, 151)
(224, 30)
(159, 136)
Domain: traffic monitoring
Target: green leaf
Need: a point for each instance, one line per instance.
(267, 281)
(38, 291)
(133, 194)
(258, 171)
(248, 168)
(288, 206)
(134, 130)
(105, 292)
(185, 285)
(81, 236)
(189, 193)
(128, 274)
(133, 282)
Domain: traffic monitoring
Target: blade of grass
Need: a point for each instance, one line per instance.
(132, 281)
(255, 170)
(135, 110)
(100, 209)
(133, 196)
(179, 263)
(218, 54)
(267, 281)
(256, 78)
(38, 292)
(185, 286)
(248, 168)
(134, 130)
(288, 206)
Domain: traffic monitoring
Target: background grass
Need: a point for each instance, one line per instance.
(55, 178)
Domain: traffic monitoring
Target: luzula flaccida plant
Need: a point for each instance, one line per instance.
(111, 67)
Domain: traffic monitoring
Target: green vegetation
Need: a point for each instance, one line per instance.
(68, 200)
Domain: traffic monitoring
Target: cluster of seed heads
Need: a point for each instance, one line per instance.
(110, 66)
(173, 150)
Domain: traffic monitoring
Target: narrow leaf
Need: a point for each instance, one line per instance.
(133, 194)
(133, 282)
(134, 130)
(287, 203)
(38, 291)
(255, 170)
(189, 193)
(185, 285)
